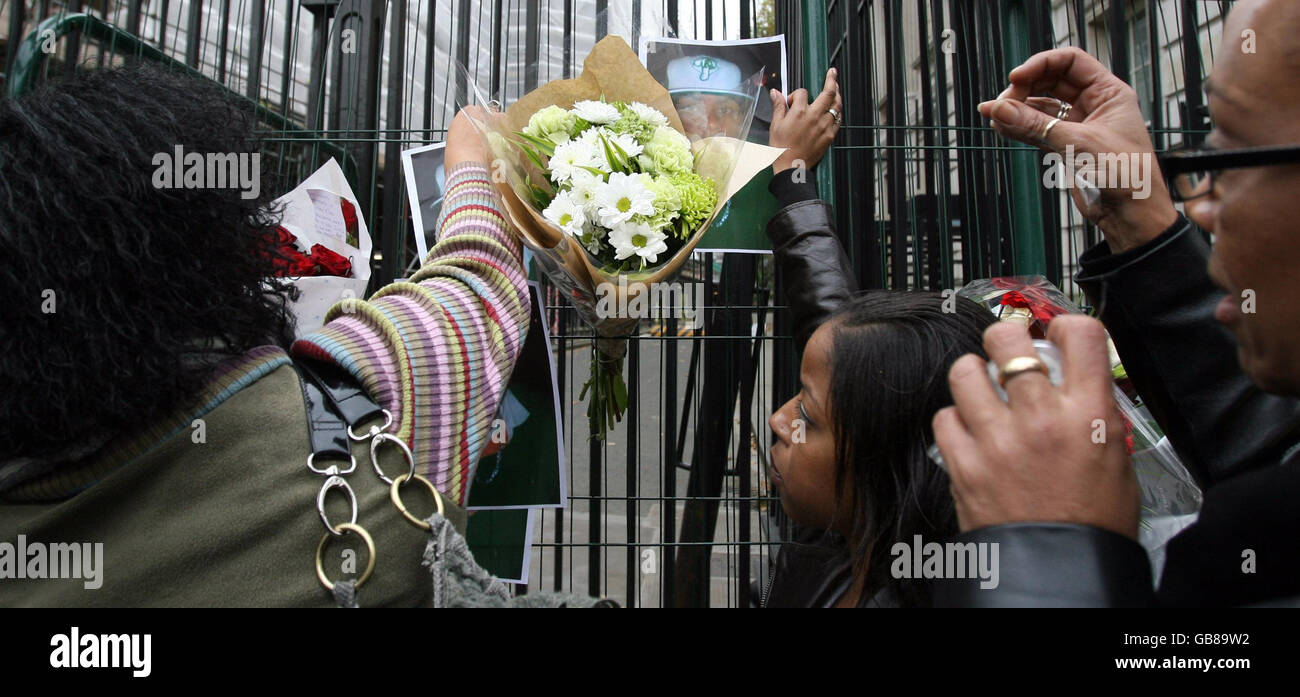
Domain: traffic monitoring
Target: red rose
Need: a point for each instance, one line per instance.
(331, 263)
(1128, 435)
(349, 217)
(285, 257)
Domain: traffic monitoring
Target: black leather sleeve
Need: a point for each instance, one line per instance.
(1052, 565)
(818, 278)
(1243, 547)
(1157, 302)
(792, 186)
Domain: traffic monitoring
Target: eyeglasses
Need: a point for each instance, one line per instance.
(1191, 171)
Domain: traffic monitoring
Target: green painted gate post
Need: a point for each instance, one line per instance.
(816, 61)
(1029, 256)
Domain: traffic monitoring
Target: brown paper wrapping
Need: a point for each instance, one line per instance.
(614, 72)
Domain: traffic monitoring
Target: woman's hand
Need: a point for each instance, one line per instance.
(464, 144)
(1104, 119)
(804, 130)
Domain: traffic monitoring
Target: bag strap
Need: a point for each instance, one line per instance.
(334, 402)
(326, 428)
(343, 391)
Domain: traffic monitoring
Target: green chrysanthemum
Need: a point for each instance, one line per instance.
(698, 195)
(549, 121)
(632, 124)
(668, 202)
(667, 152)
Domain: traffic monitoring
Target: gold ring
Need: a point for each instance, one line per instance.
(1019, 366)
(1064, 112)
(320, 553)
(1048, 131)
(396, 496)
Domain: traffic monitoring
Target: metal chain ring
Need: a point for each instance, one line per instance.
(370, 552)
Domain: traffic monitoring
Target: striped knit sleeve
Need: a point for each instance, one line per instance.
(437, 351)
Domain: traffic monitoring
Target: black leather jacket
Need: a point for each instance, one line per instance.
(1157, 301)
(812, 569)
(818, 278)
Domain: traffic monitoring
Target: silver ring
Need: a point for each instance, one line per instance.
(335, 482)
(332, 469)
(401, 445)
(1064, 112)
(835, 115)
(374, 430)
(1048, 131)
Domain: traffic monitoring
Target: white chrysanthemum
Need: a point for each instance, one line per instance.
(567, 213)
(648, 113)
(570, 157)
(591, 137)
(584, 185)
(628, 142)
(637, 238)
(622, 197)
(595, 112)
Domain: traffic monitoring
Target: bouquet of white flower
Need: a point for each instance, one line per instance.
(598, 178)
(622, 181)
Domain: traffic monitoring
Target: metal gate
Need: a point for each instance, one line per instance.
(952, 201)
(674, 508)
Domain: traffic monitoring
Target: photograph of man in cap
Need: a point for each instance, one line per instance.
(707, 92)
(713, 84)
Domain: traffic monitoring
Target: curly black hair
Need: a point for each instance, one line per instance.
(149, 287)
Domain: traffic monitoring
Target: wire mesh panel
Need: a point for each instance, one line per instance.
(670, 509)
(950, 200)
(674, 508)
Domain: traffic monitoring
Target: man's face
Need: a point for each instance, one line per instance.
(1255, 101)
(706, 115)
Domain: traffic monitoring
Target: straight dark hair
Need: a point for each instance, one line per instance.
(889, 375)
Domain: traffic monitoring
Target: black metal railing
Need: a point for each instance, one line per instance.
(674, 508)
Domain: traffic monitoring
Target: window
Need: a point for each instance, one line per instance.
(1139, 50)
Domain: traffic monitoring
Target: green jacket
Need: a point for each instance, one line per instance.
(228, 522)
